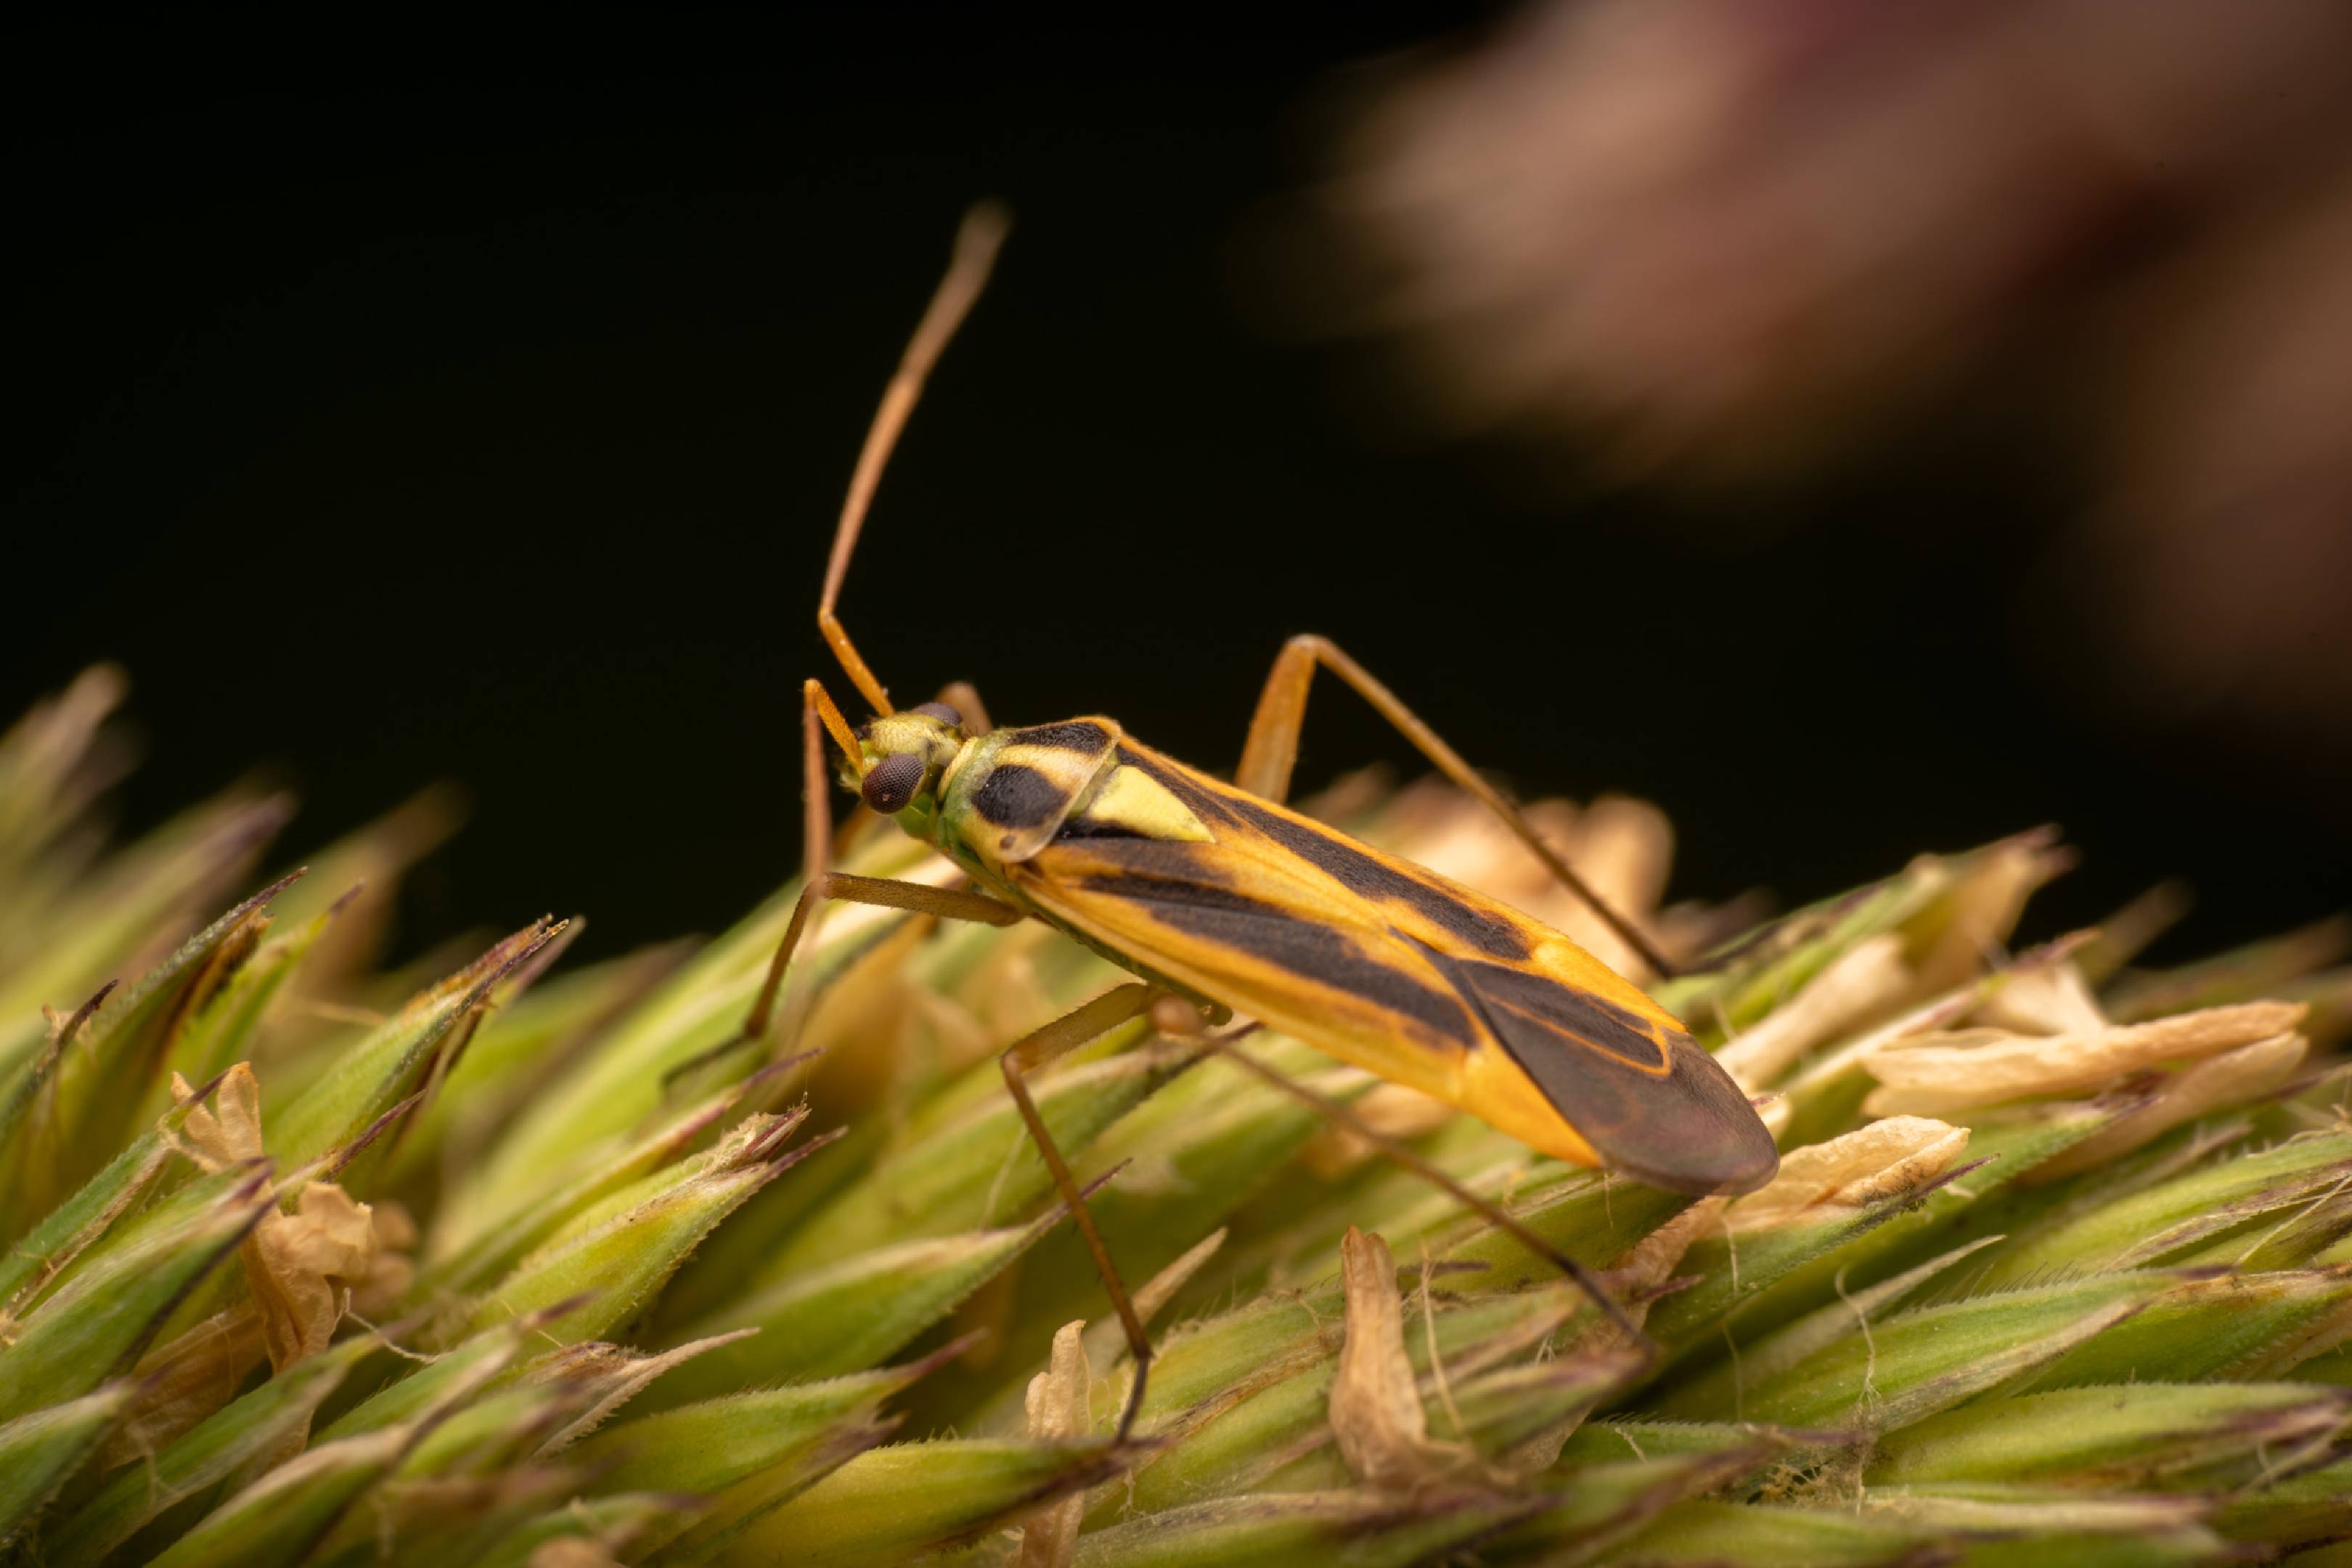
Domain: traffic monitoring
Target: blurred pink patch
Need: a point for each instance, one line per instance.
(1737, 236)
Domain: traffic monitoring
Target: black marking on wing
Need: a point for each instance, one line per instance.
(1075, 735)
(1081, 828)
(1322, 954)
(1691, 1131)
(1331, 853)
(1156, 859)
(1546, 1004)
(1013, 795)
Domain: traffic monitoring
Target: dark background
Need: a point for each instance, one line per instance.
(469, 406)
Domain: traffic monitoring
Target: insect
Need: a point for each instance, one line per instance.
(1222, 901)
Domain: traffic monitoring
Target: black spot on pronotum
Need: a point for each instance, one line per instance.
(1012, 796)
(889, 787)
(1077, 735)
(940, 711)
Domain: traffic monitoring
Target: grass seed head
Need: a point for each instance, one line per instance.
(2055, 1262)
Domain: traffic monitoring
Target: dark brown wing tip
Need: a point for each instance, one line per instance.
(1710, 1142)
(1727, 1169)
(1689, 1129)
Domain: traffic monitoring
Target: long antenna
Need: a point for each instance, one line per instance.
(977, 242)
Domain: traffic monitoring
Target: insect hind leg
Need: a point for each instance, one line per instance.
(1272, 749)
(1227, 1045)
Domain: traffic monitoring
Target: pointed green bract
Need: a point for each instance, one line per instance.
(1531, 1405)
(523, 1048)
(746, 1453)
(1791, 1537)
(294, 1508)
(1934, 1357)
(1591, 1508)
(850, 1314)
(270, 1422)
(84, 1220)
(437, 1383)
(1280, 1528)
(395, 1061)
(2233, 1326)
(1764, 1257)
(2305, 1508)
(2123, 1436)
(1202, 1152)
(280, 1518)
(85, 1094)
(95, 1325)
(2160, 1224)
(612, 1267)
(1942, 906)
(115, 914)
(2003, 1149)
(889, 1503)
(619, 1079)
(40, 1451)
(1719, 1388)
(617, 1181)
(222, 1031)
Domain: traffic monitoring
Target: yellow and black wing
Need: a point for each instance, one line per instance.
(1388, 965)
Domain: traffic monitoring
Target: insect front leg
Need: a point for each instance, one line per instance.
(1272, 751)
(889, 893)
(822, 885)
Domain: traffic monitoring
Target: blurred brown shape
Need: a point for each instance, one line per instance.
(2229, 532)
(1738, 236)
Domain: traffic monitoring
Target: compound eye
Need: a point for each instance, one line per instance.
(889, 788)
(940, 711)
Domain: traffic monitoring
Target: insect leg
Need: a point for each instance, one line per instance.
(964, 698)
(976, 246)
(919, 898)
(824, 885)
(1404, 1157)
(1025, 1055)
(1272, 749)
